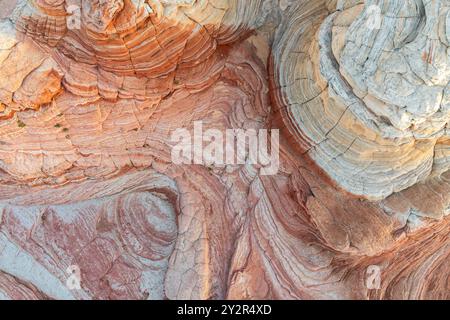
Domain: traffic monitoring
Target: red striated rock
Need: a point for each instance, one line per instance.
(88, 180)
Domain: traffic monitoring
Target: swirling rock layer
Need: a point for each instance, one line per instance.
(366, 90)
(359, 91)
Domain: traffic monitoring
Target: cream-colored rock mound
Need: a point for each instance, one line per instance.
(367, 90)
(91, 92)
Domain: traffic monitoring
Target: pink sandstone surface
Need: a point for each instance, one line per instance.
(87, 179)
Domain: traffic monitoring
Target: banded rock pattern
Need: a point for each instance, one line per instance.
(87, 113)
(367, 91)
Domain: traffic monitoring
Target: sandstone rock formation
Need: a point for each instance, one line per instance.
(91, 92)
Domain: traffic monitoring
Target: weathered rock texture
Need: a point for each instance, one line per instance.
(370, 104)
(362, 102)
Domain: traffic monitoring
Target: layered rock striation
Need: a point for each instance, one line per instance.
(91, 92)
(366, 91)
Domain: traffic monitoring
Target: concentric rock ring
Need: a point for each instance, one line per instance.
(369, 103)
